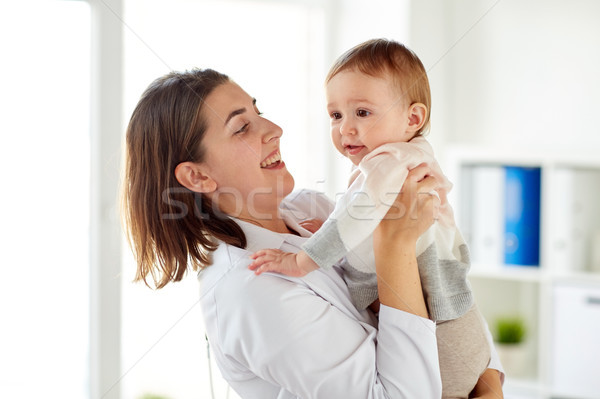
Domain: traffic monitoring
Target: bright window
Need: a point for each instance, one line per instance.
(45, 201)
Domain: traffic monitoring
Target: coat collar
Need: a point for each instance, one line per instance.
(259, 238)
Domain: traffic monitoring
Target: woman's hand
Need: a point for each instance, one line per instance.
(415, 209)
(489, 386)
(394, 241)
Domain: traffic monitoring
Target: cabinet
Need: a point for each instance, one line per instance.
(559, 297)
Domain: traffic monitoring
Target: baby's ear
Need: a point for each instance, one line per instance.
(417, 114)
(192, 176)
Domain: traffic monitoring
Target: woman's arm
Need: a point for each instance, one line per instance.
(394, 242)
(489, 386)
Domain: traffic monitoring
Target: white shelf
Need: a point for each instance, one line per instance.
(506, 272)
(587, 278)
(520, 388)
(569, 216)
(521, 156)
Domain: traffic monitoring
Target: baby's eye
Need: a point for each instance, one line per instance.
(362, 113)
(335, 115)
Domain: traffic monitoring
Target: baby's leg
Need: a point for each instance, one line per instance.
(464, 353)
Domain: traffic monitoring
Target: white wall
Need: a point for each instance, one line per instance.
(517, 73)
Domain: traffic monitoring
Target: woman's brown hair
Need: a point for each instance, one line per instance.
(378, 57)
(168, 226)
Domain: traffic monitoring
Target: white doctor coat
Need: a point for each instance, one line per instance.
(274, 336)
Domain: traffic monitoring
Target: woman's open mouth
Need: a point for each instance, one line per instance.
(272, 161)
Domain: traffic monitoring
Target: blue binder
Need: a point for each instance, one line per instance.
(522, 216)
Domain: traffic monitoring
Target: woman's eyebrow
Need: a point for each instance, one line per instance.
(234, 113)
(238, 112)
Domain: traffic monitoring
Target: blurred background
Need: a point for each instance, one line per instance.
(513, 83)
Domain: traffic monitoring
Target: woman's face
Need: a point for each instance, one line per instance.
(242, 155)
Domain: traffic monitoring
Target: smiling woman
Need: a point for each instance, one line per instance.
(237, 143)
(154, 131)
(278, 52)
(222, 126)
(285, 82)
(270, 319)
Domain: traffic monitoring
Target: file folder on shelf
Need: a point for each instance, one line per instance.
(522, 216)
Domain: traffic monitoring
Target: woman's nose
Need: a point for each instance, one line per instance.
(271, 131)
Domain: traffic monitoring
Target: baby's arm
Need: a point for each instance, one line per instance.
(289, 264)
(294, 265)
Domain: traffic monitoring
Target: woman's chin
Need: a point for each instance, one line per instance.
(288, 184)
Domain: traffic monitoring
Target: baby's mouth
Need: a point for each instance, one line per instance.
(271, 161)
(354, 149)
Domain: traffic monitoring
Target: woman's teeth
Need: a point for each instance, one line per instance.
(271, 160)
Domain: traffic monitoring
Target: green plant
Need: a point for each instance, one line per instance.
(152, 396)
(510, 330)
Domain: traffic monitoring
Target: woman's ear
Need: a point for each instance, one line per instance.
(192, 176)
(417, 113)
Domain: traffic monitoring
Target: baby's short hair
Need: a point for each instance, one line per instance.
(387, 58)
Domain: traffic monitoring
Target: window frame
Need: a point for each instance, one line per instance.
(105, 231)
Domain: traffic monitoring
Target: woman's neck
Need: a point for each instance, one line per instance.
(270, 220)
(276, 224)
(266, 216)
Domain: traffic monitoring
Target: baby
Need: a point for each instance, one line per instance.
(378, 99)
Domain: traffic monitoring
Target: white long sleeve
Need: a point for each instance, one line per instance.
(280, 337)
(442, 253)
(378, 180)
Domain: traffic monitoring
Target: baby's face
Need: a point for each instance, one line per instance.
(365, 112)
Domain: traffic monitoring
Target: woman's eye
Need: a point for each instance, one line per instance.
(242, 129)
(362, 113)
(256, 108)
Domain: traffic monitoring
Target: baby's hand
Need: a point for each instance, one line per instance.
(312, 225)
(275, 260)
